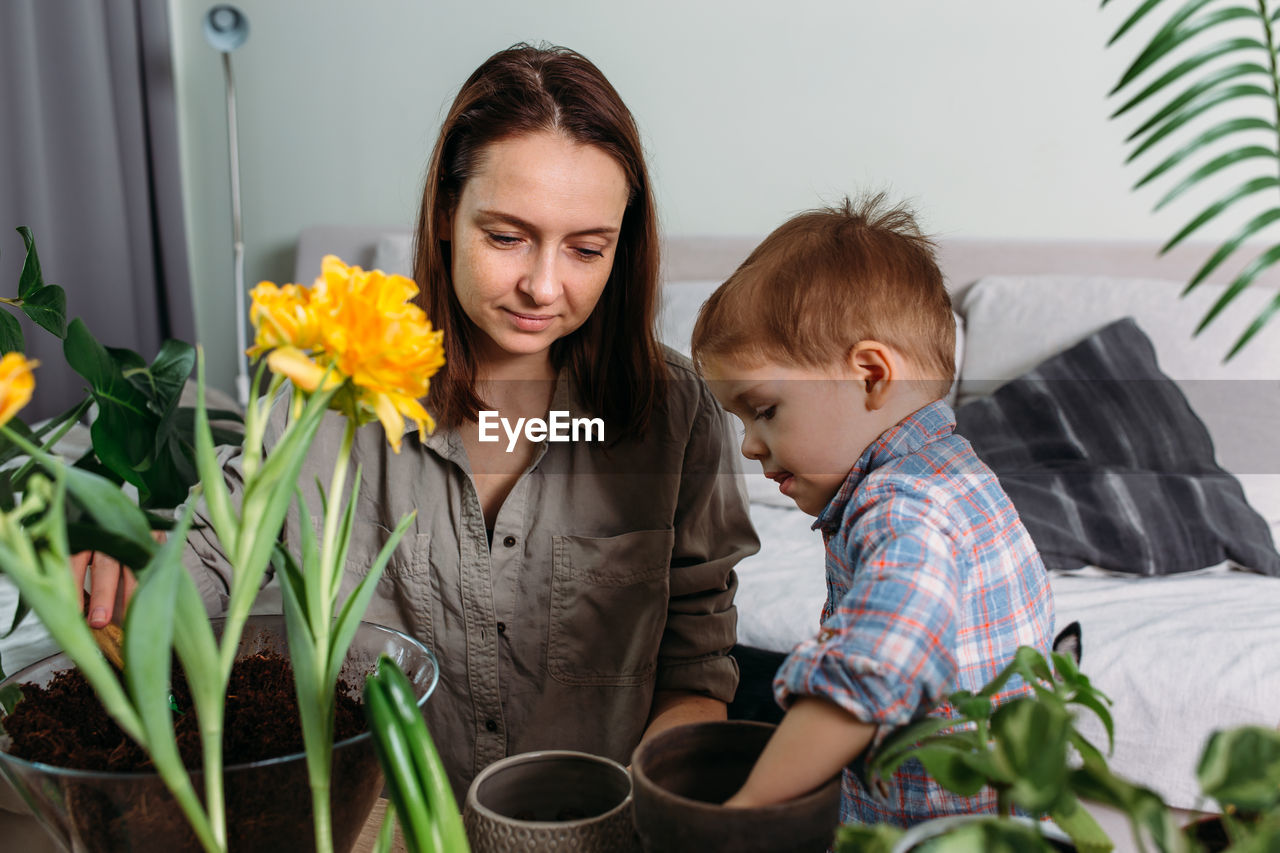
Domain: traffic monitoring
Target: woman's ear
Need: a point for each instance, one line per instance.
(444, 223)
(875, 365)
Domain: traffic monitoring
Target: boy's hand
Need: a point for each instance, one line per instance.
(814, 742)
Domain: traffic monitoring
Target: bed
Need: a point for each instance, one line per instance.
(1182, 648)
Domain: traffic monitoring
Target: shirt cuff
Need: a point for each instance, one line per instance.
(715, 676)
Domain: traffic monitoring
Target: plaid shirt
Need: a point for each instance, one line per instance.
(932, 583)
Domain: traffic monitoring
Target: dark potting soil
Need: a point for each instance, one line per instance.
(64, 725)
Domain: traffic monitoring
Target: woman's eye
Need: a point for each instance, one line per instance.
(766, 414)
(589, 254)
(503, 239)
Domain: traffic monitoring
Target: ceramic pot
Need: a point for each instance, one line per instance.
(268, 802)
(683, 775)
(556, 800)
(922, 836)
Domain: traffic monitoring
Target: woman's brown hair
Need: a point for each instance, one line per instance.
(613, 358)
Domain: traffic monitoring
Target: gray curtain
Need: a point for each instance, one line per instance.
(89, 161)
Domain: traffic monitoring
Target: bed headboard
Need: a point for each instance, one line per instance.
(706, 258)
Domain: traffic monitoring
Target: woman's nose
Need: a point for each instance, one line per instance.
(542, 281)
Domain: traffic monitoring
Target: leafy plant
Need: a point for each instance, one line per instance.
(356, 343)
(1216, 69)
(420, 794)
(1030, 751)
(140, 434)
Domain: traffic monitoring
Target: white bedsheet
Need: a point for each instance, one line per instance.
(1180, 656)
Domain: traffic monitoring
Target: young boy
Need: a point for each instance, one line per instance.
(833, 343)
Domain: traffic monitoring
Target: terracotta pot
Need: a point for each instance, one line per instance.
(556, 800)
(682, 775)
(268, 802)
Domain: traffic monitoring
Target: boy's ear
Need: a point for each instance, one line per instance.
(874, 365)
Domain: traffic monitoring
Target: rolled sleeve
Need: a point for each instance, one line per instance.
(885, 650)
(713, 532)
(204, 557)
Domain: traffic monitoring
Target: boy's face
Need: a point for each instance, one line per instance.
(806, 426)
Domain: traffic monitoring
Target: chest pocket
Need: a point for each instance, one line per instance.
(403, 597)
(609, 601)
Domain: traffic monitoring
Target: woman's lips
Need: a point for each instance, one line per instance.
(530, 322)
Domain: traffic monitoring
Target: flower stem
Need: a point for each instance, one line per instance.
(320, 745)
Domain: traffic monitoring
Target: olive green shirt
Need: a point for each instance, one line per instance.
(610, 575)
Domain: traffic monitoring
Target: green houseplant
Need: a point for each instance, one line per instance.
(140, 433)
(1209, 83)
(1030, 751)
(355, 343)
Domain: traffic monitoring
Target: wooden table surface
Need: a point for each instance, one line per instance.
(369, 835)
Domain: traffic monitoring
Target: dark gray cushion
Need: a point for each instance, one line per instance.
(1109, 466)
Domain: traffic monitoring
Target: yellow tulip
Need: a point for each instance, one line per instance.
(16, 384)
(361, 326)
(282, 316)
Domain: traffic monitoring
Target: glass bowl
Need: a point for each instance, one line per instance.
(268, 802)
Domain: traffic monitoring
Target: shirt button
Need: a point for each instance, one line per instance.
(510, 541)
(491, 725)
(502, 627)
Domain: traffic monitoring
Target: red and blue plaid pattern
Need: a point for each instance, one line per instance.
(932, 583)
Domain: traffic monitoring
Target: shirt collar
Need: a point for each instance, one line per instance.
(907, 436)
(447, 443)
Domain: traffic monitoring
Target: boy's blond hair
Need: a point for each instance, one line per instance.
(827, 279)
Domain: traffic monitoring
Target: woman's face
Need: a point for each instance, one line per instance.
(534, 235)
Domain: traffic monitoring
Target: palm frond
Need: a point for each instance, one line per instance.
(1171, 37)
(1207, 215)
(1198, 99)
(1191, 73)
(1246, 277)
(1217, 164)
(1213, 134)
(1253, 226)
(1193, 111)
(1188, 65)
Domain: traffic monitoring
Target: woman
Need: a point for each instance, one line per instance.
(579, 594)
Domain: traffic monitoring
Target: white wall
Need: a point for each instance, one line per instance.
(990, 114)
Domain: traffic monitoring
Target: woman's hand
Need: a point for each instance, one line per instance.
(111, 584)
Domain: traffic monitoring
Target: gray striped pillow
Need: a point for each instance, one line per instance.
(1108, 465)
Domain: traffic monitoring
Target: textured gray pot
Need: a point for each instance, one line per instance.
(556, 800)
